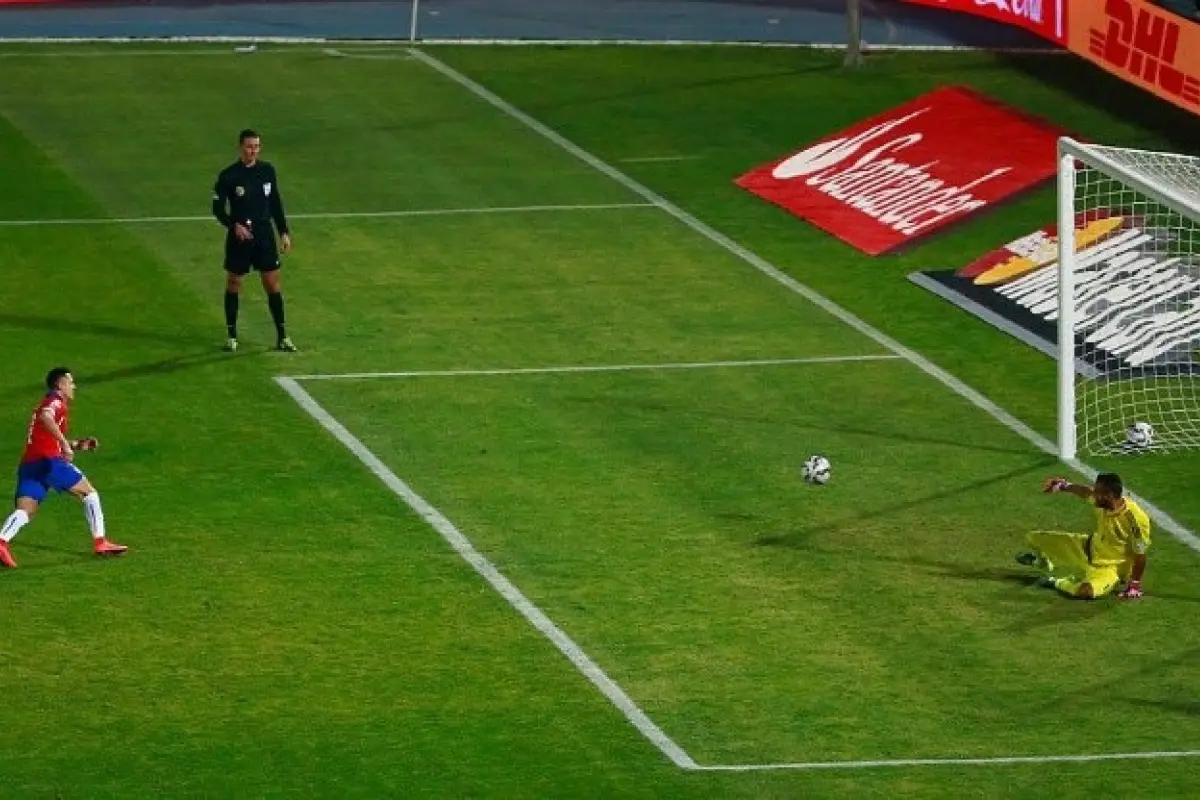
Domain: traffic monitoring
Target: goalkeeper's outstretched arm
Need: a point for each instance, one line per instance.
(1063, 485)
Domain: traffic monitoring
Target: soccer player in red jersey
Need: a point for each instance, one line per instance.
(46, 464)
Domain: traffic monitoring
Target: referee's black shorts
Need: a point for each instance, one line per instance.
(260, 253)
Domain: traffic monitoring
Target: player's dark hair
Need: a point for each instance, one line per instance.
(246, 134)
(1110, 482)
(55, 375)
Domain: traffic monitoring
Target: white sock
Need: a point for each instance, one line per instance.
(95, 517)
(16, 520)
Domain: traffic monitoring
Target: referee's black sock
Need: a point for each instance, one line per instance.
(275, 303)
(231, 313)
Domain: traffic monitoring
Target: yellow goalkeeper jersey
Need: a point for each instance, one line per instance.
(1119, 534)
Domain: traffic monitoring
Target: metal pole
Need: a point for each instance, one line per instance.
(413, 22)
(854, 56)
(1067, 440)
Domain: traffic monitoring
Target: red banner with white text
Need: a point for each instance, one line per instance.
(1046, 18)
(889, 180)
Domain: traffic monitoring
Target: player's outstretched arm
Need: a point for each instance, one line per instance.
(1054, 485)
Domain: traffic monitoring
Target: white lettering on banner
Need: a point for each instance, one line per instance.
(904, 197)
(1130, 302)
(1029, 9)
(834, 151)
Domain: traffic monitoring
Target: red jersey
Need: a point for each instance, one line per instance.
(40, 444)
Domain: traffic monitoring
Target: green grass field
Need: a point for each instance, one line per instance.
(285, 625)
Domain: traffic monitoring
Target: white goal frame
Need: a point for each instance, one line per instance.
(1070, 153)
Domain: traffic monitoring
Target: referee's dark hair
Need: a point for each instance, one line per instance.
(1111, 482)
(55, 375)
(247, 133)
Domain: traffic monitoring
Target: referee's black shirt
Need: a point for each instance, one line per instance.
(249, 195)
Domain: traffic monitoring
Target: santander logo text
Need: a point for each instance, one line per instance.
(1027, 9)
(903, 196)
(910, 171)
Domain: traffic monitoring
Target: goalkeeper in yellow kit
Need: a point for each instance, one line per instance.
(1089, 565)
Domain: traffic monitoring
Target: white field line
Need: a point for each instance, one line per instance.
(462, 545)
(771, 271)
(369, 54)
(948, 762)
(195, 51)
(412, 212)
(452, 373)
(319, 40)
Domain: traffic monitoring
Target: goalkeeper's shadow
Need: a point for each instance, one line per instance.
(800, 538)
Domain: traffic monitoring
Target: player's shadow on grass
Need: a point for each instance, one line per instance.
(1187, 706)
(1141, 671)
(794, 424)
(58, 325)
(799, 538)
(150, 369)
(1055, 609)
(64, 556)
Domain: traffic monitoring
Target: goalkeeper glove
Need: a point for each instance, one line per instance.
(89, 443)
(1055, 485)
(1132, 591)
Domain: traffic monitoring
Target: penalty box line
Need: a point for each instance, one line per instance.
(586, 368)
(488, 571)
(611, 690)
(399, 213)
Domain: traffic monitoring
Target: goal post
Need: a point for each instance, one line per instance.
(1128, 299)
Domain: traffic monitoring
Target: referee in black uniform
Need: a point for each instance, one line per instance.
(246, 201)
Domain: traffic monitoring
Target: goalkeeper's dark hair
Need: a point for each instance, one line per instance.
(55, 375)
(1110, 482)
(247, 133)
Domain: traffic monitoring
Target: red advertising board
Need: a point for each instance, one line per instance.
(1046, 18)
(1143, 44)
(915, 169)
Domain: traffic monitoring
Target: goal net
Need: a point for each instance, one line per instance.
(1128, 300)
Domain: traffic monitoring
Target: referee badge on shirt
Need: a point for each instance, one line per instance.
(267, 188)
(239, 191)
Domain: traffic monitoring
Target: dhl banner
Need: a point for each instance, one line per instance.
(1141, 43)
(1137, 40)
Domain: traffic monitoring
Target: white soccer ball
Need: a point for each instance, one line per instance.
(1140, 434)
(816, 469)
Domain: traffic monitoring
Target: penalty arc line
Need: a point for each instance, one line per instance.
(584, 368)
(462, 545)
(759, 263)
(412, 212)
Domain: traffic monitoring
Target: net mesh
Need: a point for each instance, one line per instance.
(1137, 301)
